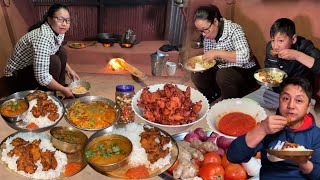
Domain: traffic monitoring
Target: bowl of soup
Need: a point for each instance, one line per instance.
(68, 139)
(107, 152)
(92, 113)
(14, 110)
(80, 88)
(234, 117)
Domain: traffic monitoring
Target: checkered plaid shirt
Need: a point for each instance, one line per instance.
(232, 39)
(35, 48)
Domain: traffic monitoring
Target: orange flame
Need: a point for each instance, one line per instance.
(117, 64)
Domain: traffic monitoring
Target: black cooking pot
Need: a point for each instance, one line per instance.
(108, 38)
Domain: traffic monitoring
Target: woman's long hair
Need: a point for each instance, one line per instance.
(50, 13)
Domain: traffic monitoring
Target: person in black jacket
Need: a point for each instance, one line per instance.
(293, 54)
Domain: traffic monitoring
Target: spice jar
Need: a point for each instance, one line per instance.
(124, 95)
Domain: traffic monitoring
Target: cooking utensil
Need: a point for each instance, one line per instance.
(157, 63)
(108, 38)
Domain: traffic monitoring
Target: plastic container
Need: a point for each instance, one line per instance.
(123, 97)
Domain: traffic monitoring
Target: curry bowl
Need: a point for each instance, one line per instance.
(236, 105)
(80, 88)
(68, 139)
(270, 77)
(14, 110)
(195, 97)
(107, 152)
(92, 113)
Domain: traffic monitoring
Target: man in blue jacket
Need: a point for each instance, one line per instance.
(294, 124)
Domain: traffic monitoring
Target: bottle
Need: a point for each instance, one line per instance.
(123, 97)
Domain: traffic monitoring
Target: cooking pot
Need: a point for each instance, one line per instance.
(108, 38)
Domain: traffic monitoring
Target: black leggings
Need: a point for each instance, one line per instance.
(24, 79)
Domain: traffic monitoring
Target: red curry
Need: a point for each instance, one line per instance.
(236, 123)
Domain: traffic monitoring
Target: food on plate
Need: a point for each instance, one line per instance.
(293, 147)
(138, 172)
(32, 155)
(14, 107)
(79, 90)
(69, 136)
(274, 53)
(170, 105)
(91, 115)
(43, 110)
(197, 61)
(108, 149)
(77, 45)
(154, 158)
(72, 168)
(269, 77)
(153, 142)
(236, 123)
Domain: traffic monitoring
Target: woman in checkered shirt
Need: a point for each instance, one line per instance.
(38, 59)
(224, 42)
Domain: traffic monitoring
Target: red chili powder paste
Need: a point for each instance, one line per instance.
(236, 123)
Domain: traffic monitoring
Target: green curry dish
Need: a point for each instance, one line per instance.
(104, 151)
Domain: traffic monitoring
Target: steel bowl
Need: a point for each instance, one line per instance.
(108, 167)
(274, 71)
(59, 141)
(89, 99)
(82, 83)
(16, 118)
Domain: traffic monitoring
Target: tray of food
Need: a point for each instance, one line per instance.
(291, 149)
(32, 155)
(131, 151)
(34, 111)
(270, 77)
(77, 45)
(196, 64)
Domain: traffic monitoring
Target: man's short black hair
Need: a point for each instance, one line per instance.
(283, 25)
(298, 81)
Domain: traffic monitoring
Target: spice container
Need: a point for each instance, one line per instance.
(124, 95)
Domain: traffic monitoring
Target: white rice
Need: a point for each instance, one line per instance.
(139, 155)
(45, 144)
(300, 148)
(41, 121)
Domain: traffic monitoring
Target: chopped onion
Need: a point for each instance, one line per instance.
(191, 136)
(224, 142)
(201, 133)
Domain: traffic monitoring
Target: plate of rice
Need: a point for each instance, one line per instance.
(44, 112)
(32, 155)
(196, 64)
(153, 151)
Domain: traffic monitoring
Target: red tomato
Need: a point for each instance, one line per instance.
(235, 172)
(174, 166)
(224, 161)
(211, 157)
(211, 171)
